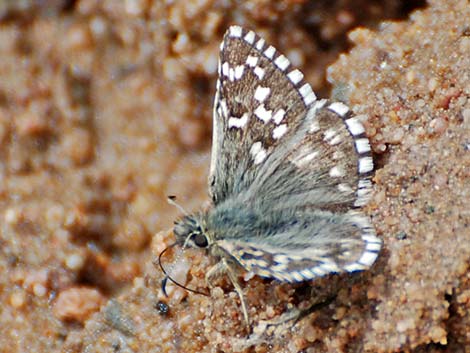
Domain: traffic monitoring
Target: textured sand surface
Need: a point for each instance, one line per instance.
(105, 109)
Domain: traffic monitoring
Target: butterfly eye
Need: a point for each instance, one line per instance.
(200, 240)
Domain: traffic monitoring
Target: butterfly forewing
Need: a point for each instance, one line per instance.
(260, 102)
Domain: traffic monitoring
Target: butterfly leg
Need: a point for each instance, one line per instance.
(214, 272)
(224, 267)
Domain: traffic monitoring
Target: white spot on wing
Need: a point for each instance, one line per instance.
(371, 239)
(239, 71)
(269, 53)
(339, 108)
(338, 154)
(250, 37)
(344, 188)
(362, 145)
(332, 136)
(307, 274)
(281, 258)
(360, 220)
(282, 62)
(225, 68)
(282, 276)
(329, 267)
(355, 127)
(279, 131)
(329, 134)
(261, 93)
(365, 165)
(314, 126)
(295, 76)
(336, 140)
(307, 94)
(364, 184)
(278, 116)
(336, 172)
(373, 246)
(363, 192)
(363, 195)
(252, 60)
(238, 122)
(258, 152)
(319, 104)
(235, 31)
(224, 108)
(260, 44)
(260, 157)
(354, 267)
(305, 158)
(297, 276)
(259, 71)
(367, 258)
(263, 114)
(318, 271)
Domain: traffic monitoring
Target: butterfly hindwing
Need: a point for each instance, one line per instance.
(342, 242)
(310, 242)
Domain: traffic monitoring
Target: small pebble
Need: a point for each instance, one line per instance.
(12, 216)
(39, 290)
(77, 303)
(18, 299)
(74, 262)
(438, 125)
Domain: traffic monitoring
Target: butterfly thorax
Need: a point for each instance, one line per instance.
(231, 219)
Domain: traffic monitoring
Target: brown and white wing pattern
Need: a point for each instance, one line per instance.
(288, 171)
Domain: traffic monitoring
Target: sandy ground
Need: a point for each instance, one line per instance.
(105, 109)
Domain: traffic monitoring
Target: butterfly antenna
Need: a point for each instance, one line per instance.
(172, 201)
(167, 276)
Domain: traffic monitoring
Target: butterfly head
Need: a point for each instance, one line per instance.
(190, 232)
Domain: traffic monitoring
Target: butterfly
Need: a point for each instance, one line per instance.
(288, 174)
